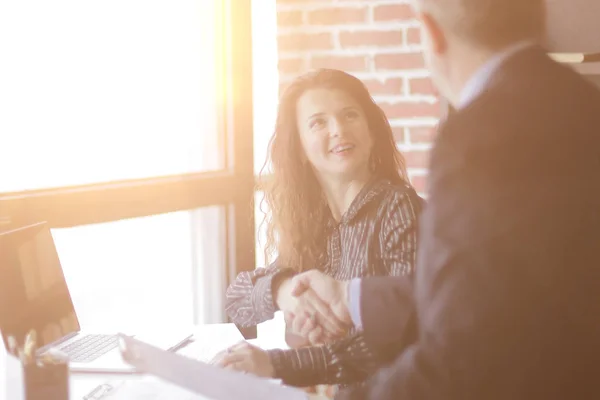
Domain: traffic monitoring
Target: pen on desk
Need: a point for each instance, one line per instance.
(181, 345)
(98, 392)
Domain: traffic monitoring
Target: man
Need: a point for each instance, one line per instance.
(507, 290)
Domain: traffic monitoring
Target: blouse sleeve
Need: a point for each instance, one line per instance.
(249, 299)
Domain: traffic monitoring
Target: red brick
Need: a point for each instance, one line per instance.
(399, 61)
(411, 110)
(419, 182)
(424, 134)
(370, 38)
(413, 36)
(289, 18)
(345, 63)
(422, 86)
(392, 86)
(399, 134)
(416, 158)
(290, 65)
(393, 12)
(304, 41)
(337, 15)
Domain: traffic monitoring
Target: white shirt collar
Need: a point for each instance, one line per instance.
(478, 81)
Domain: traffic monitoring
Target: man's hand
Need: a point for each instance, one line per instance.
(313, 321)
(328, 298)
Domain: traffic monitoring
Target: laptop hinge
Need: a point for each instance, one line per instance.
(57, 342)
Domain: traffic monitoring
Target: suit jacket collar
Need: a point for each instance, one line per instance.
(477, 84)
(512, 77)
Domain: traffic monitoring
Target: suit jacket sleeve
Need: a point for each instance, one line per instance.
(387, 314)
(386, 306)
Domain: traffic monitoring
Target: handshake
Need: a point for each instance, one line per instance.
(315, 308)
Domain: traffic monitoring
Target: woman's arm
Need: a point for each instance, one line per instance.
(351, 359)
(346, 361)
(254, 296)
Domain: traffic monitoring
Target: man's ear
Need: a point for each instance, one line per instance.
(433, 33)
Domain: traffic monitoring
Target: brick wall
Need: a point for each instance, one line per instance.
(378, 41)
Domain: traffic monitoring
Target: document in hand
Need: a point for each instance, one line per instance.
(204, 379)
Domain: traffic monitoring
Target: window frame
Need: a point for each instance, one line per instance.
(232, 187)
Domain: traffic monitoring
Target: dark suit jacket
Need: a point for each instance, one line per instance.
(507, 291)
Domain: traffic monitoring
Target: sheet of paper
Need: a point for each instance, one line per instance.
(211, 339)
(149, 388)
(204, 379)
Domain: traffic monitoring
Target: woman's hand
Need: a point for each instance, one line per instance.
(313, 320)
(245, 357)
(284, 299)
(301, 332)
(308, 317)
(333, 296)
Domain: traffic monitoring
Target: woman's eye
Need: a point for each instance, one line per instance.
(350, 115)
(317, 123)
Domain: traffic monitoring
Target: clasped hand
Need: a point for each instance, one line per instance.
(320, 313)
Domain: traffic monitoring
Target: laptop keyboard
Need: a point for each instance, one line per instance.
(89, 347)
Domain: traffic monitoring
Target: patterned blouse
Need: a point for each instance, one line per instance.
(376, 236)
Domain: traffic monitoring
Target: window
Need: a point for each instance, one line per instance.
(123, 135)
(107, 91)
(146, 267)
(266, 77)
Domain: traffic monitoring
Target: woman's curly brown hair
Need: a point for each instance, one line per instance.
(296, 207)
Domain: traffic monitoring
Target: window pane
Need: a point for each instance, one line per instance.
(95, 91)
(132, 274)
(265, 76)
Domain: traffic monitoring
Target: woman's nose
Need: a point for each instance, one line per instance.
(336, 127)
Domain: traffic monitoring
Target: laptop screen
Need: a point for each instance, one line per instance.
(33, 289)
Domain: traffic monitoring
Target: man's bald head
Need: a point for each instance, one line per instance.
(489, 24)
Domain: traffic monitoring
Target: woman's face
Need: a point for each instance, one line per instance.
(334, 134)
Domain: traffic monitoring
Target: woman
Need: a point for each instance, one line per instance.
(339, 200)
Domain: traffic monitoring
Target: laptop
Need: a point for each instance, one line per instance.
(34, 295)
